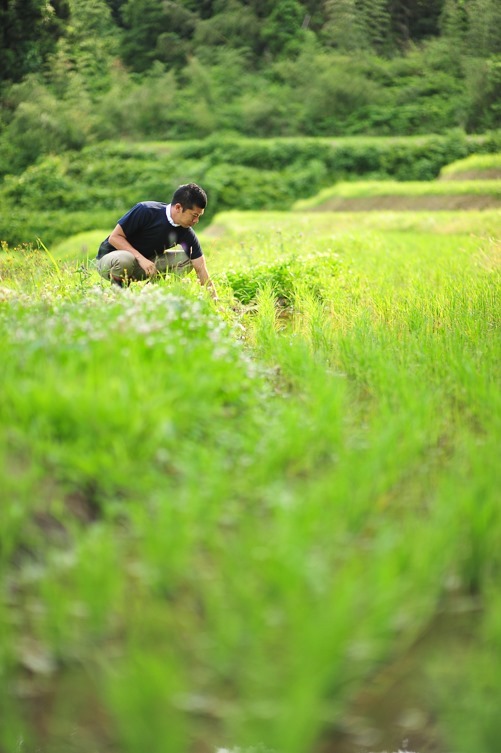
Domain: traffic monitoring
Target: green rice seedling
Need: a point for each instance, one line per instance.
(142, 692)
(20, 477)
(81, 592)
(51, 259)
(282, 276)
(477, 520)
(311, 315)
(265, 323)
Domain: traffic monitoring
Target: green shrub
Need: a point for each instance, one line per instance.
(403, 159)
(282, 277)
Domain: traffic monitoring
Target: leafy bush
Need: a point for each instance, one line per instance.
(403, 159)
(282, 277)
(94, 176)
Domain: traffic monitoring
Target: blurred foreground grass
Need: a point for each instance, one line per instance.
(219, 525)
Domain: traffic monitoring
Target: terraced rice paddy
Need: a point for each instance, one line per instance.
(273, 523)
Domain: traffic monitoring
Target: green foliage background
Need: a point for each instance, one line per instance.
(75, 72)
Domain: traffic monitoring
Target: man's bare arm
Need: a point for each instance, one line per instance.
(119, 240)
(200, 267)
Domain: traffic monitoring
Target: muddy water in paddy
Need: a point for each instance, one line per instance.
(396, 710)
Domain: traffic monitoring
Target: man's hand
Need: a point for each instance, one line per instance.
(119, 241)
(147, 266)
(200, 268)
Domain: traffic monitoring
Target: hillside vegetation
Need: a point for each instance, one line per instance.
(76, 72)
(91, 189)
(104, 103)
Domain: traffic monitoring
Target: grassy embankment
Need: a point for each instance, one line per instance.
(218, 527)
(415, 195)
(475, 185)
(474, 167)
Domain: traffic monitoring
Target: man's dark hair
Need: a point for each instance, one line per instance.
(190, 195)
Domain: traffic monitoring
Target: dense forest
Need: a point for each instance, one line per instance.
(76, 72)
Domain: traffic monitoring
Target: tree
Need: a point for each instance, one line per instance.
(484, 28)
(83, 56)
(415, 20)
(144, 21)
(454, 21)
(235, 27)
(156, 31)
(376, 20)
(283, 30)
(344, 26)
(29, 30)
(115, 7)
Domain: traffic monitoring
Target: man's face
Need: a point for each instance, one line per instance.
(186, 217)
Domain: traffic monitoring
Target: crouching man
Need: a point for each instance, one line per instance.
(139, 246)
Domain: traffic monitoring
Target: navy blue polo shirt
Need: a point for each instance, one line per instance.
(147, 228)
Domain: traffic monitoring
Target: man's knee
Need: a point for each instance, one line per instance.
(118, 265)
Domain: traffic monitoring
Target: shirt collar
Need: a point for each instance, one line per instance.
(169, 215)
